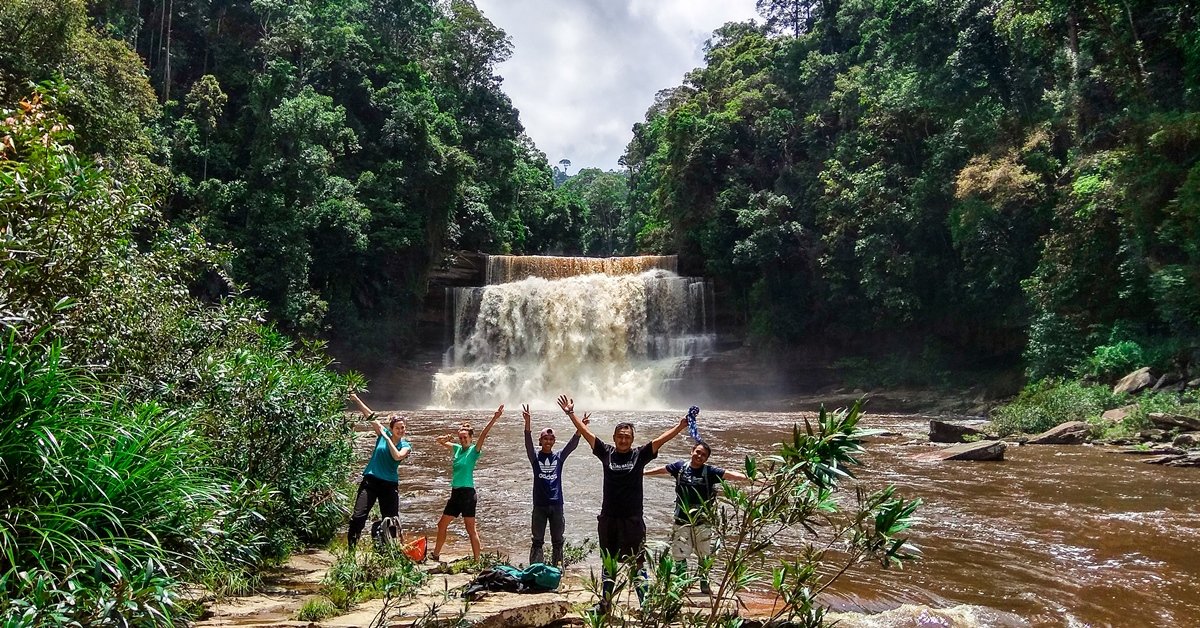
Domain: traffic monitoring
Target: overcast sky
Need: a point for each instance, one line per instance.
(584, 71)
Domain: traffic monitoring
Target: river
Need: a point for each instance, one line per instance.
(1057, 535)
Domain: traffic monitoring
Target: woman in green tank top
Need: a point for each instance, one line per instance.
(462, 500)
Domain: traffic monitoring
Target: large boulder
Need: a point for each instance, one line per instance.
(1169, 421)
(1069, 433)
(983, 450)
(1188, 439)
(943, 432)
(1136, 381)
(1116, 415)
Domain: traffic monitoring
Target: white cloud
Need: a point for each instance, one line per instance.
(584, 71)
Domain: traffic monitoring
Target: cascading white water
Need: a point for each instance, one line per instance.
(610, 340)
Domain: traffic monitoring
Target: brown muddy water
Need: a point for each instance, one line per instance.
(1057, 535)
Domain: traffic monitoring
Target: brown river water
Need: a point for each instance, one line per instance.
(1054, 535)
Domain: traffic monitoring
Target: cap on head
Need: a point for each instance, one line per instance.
(547, 432)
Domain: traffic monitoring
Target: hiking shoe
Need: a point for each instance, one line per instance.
(704, 588)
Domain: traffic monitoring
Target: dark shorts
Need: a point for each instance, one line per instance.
(461, 502)
(621, 536)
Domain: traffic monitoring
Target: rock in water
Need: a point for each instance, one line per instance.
(1069, 433)
(1136, 381)
(943, 432)
(981, 451)
(1189, 460)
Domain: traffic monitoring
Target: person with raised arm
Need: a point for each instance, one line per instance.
(381, 479)
(547, 490)
(696, 484)
(462, 500)
(620, 526)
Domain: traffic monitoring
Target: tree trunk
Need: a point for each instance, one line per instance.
(170, 10)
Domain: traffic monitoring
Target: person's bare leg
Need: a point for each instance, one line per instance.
(469, 522)
(443, 523)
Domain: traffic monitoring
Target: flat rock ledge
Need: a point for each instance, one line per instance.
(984, 450)
(1191, 459)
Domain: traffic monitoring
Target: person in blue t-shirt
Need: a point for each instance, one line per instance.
(696, 484)
(547, 490)
(381, 480)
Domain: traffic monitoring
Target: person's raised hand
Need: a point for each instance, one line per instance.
(587, 418)
(567, 404)
(499, 411)
(525, 411)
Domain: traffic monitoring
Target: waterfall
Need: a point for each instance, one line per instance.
(610, 332)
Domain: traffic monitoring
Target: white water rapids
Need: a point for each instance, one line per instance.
(612, 341)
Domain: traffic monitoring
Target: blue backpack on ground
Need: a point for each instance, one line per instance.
(541, 576)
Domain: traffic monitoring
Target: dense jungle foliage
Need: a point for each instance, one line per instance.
(992, 176)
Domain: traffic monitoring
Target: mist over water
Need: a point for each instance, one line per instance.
(612, 340)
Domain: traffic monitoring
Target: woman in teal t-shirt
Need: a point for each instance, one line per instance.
(462, 482)
(381, 480)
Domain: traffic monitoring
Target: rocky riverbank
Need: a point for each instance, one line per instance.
(437, 604)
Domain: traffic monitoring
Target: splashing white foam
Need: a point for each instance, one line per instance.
(611, 341)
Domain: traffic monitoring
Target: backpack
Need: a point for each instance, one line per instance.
(386, 531)
(497, 578)
(541, 576)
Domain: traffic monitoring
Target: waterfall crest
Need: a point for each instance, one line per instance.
(611, 334)
(509, 268)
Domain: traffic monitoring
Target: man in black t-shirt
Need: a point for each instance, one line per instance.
(620, 526)
(696, 484)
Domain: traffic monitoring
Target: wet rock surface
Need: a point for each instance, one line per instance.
(946, 432)
(984, 450)
(1136, 381)
(1069, 433)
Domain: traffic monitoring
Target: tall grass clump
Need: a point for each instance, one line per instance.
(380, 571)
(153, 429)
(94, 489)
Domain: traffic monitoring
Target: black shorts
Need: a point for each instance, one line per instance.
(461, 502)
(621, 536)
